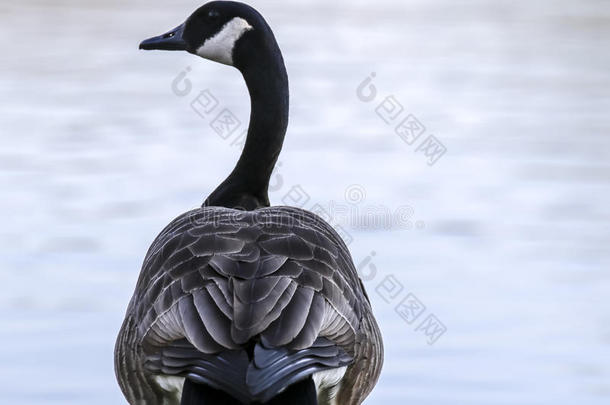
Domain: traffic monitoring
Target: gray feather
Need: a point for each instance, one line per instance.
(217, 281)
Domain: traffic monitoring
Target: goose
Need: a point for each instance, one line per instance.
(239, 302)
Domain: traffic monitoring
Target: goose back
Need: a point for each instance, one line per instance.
(248, 302)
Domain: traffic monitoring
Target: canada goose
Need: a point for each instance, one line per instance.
(238, 302)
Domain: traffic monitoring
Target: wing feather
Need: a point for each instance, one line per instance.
(216, 281)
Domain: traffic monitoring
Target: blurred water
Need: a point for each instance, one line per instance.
(511, 248)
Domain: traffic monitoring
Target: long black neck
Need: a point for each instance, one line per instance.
(262, 66)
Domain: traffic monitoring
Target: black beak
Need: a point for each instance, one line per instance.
(170, 41)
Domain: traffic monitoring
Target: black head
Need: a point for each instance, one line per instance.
(213, 31)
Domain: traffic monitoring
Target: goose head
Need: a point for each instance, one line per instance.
(218, 31)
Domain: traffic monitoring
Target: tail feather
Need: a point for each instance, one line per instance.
(256, 375)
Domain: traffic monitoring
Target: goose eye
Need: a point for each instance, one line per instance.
(213, 14)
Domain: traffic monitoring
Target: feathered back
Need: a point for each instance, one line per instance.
(272, 293)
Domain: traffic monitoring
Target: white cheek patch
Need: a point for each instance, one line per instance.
(219, 48)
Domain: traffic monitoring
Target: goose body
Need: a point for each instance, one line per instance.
(238, 302)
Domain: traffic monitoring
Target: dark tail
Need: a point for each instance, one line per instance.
(299, 393)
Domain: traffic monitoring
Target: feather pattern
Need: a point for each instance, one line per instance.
(250, 302)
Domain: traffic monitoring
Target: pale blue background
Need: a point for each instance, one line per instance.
(97, 155)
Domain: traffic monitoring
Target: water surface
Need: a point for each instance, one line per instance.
(504, 239)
